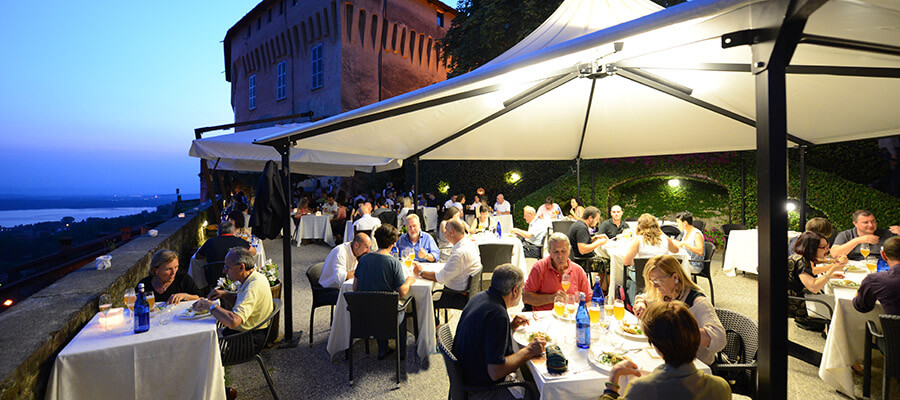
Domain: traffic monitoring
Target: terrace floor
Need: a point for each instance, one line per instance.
(308, 372)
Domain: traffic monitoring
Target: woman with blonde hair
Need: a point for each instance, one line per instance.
(649, 240)
(169, 285)
(665, 280)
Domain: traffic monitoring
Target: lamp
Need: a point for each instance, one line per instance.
(674, 182)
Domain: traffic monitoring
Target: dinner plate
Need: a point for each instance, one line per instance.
(594, 358)
(845, 283)
(854, 268)
(521, 336)
(565, 317)
(186, 315)
(629, 335)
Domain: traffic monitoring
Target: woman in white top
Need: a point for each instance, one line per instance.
(407, 207)
(649, 240)
(483, 221)
(476, 203)
(691, 240)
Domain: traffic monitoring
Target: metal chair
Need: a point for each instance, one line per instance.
(699, 224)
(638, 271)
(562, 226)
(887, 342)
(458, 389)
(801, 352)
(374, 314)
(709, 249)
(737, 361)
(239, 348)
(321, 296)
(213, 271)
(492, 256)
(388, 217)
(474, 284)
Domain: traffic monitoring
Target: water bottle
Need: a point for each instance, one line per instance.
(395, 252)
(598, 294)
(141, 311)
(582, 324)
(499, 230)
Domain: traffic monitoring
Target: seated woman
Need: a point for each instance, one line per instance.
(483, 222)
(443, 244)
(649, 240)
(340, 217)
(406, 208)
(665, 281)
(237, 218)
(691, 240)
(672, 331)
(810, 249)
(577, 208)
(168, 284)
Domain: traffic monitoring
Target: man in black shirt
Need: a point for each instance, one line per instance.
(583, 244)
(483, 344)
(865, 230)
(615, 225)
(215, 250)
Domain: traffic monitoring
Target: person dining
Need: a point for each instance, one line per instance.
(366, 222)
(614, 226)
(817, 224)
(215, 249)
(169, 285)
(483, 340)
(576, 208)
(249, 306)
(502, 207)
(532, 239)
(883, 287)
(672, 330)
(339, 217)
(865, 231)
(483, 221)
(549, 210)
(804, 278)
(422, 245)
(665, 281)
(340, 263)
(476, 203)
(649, 240)
(545, 279)
(443, 244)
(691, 240)
(460, 202)
(463, 262)
(583, 244)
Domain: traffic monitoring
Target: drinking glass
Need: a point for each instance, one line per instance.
(619, 310)
(871, 264)
(151, 299)
(594, 311)
(571, 305)
(105, 303)
(559, 305)
(165, 314)
(130, 298)
(566, 282)
(864, 249)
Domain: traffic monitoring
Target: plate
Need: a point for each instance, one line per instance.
(854, 268)
(846, 283)
(594, 358)
(188, 314)
(521, 336)
(630, 335)
(565, 317)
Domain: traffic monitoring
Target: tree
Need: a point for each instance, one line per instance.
(484, 29)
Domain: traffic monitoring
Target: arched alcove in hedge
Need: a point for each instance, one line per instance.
(706, 198)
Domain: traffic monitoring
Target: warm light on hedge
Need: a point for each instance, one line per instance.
(513, 177)
(443, 187)
(790, 206)
(674, 183)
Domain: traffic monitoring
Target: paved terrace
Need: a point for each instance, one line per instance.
(307, 372)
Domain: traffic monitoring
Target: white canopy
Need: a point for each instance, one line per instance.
(672, 88)
(236, 152)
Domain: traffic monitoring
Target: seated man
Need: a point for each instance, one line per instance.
(818, 225)
(483, 342)
(330, 206)
(615, 225)
(464, 261)
(533, 238)
(865, 230)
(380, 207)
(366, 222)
(249, 306)
(215, 249)
(423, 246)
(882, 286)
(381, 272)
(545, 280)
(341, 261)
(502, 207)
(549, 210)
(583, 244)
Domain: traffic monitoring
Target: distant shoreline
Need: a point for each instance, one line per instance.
(17, 202)
(13, 218)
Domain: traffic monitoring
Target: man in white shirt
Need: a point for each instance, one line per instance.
(341, 261)
(449, 202)
(502, 207)
(533, 238)
(330, 206)
(367, 222)
(464, 261)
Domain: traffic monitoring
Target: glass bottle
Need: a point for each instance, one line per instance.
(141, 311)
(582, 324)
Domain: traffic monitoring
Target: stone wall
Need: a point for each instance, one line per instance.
(34, 331)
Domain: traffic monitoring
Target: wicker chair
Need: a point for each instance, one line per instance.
(888, 342)
(374, 314)
(321, 296)
(709, 249)
(737, 361)
(239, 348)
(492, 256)
(458, 389)
(474, 284)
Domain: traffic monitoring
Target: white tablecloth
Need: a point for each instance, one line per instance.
(518, 255)
(845, 344)
(584, 380)
(180, 360)
(339, 337)
(195, 267)
(742, 251)
(616, 250)
(314, 227)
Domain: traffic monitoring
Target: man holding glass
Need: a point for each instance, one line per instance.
(554, 275)
(864, 238)
(464, 261)
(423, 246)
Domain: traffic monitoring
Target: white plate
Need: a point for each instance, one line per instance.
(521, 336)
(185, 315)
(840, 283)
(630, 335)
(593, 358)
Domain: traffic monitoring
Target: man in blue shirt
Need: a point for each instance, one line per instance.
(424, 247)
(883, 286)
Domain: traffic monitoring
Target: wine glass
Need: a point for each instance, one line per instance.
(104, 304)
(571, 304)
(130, 298)
(864, 249)
(566, 282)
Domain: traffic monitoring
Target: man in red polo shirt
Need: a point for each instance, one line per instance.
(545, 280)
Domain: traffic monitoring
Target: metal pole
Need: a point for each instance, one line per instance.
(289, 340)
(578, 177)
(416, 180)
(744, 191)
(802, 188)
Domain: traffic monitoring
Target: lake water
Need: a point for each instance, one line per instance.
(10, 218)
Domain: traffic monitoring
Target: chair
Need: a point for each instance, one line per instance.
(699, 225)
(388, 217)
(801, 352)
(727, 228)
(562, 226)
(709, 249)
(458, 389)
(239, 348)
(494, 255)
(321, 296)
(374, 314)
(887, 342)
(638, 271)
(213, 271)
(670, 231)
(421, 213)
(474, 284)
(737, 361)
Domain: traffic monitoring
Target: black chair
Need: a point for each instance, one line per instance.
(492, 256)
(213, 271)
(888, 342)
(388, 217)
(801, 352)
(631, 219)
(699, 225)
(421, 213)
(374, 314)
(709, 249)
(321, 296)
(239, 348)
(474, 284)
(458, 389)
(562, 226)
(737, 362)
(637, 270)
(727, 228)
(670, 231)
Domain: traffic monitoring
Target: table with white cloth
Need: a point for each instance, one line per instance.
(314, 227)
(195, 267)
(584, 380)
(616, 250)
(742, 252)
(179, 360)
(420, 290)
(845, 343)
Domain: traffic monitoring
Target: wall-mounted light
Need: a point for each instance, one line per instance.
(513, 177)
(791, 205)
(674, 183)
(443, 187)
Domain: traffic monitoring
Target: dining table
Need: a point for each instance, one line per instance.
(178, 360)
(616, 250)
(586, 375)
(314, 226)
(742, 251)
(845, 343)
(196, 270)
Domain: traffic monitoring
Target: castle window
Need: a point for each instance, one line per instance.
(318, 72)
(440, 19)
(281, 81)
(252, 91)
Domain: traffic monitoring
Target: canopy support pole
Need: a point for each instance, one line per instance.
(587, 117)
(743, 191)
(578, 177)
(284, 148)
(802, 188)
(416, 183)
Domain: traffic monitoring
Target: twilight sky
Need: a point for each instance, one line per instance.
(102, 97)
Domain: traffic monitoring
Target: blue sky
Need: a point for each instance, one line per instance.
(101, 97)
